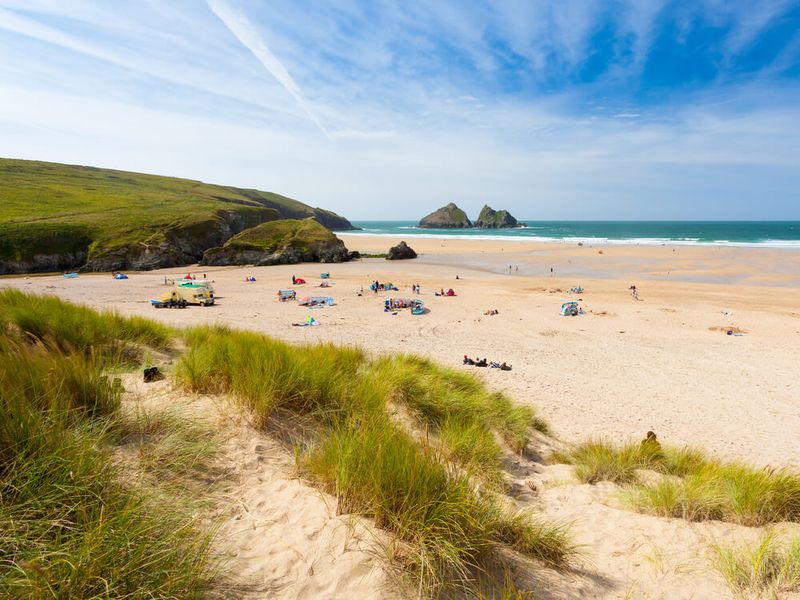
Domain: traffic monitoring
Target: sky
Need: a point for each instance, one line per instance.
(569, 109)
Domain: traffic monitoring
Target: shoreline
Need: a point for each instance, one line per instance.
(683, 263)
(792, 245)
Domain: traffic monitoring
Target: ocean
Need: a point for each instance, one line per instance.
(776, 234)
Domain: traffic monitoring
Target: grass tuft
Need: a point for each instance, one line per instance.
(695, 487)
(74, 328)
(765, 569)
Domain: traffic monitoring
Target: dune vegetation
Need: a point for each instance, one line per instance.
(765, 569)
(69, 526)
(397, 439)
(692, 486)
(413, 446)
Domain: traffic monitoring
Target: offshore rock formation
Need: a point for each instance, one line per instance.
(494, 219)
(447, 217)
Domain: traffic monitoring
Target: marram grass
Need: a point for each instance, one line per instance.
(421, 492)
(766, 569)
(74, 328)
(694, 487)
(69, 526)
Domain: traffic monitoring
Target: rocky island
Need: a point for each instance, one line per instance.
(452, 217)
(447, 217)
(495, 219)
(283, 242)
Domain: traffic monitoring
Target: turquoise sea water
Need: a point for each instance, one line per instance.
(784, 234)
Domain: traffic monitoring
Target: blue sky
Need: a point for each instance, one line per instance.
(566, 109)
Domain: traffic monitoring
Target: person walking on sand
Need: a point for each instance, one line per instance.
(634, 292)
(551, 272)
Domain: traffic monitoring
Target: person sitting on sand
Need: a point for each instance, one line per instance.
(505, 367)
(482, 363)
(468, 360)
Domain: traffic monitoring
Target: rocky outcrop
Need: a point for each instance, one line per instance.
(283, 242)
(401, 252)
(447, 217)
(177, 245)
(494, 219)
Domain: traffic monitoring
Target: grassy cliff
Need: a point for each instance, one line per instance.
(55, 216)
(284, 241)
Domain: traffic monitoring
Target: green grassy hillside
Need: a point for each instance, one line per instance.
(55, 216)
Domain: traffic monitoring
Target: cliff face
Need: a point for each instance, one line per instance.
(179, 245)
(279, 243)
(447, 217)
(493, 219)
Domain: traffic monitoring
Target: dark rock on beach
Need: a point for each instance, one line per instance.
(400, 252)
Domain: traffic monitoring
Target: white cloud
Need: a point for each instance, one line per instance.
(249, 36)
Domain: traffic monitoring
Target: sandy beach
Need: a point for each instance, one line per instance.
(663, 362)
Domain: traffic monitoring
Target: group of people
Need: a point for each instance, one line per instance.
(482, 362)
(415, 288)
(441, 292)
(377, 285)
(492, 311)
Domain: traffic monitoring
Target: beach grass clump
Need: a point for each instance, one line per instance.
(377, 470)
(418, 487)
(435, 393)
(597, 460)
(69, 527)
(724, 491)
(75, 328)
(694, 487)
(765, 569)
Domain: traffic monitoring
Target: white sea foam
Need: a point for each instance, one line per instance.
(590, 241)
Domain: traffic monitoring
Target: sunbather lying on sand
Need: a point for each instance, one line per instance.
(493, 311)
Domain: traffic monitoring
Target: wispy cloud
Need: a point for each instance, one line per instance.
(241, 27)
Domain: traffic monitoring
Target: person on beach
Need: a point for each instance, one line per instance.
(294, 279)
(551, 272)
(634, 292)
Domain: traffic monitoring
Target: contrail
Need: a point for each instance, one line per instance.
(244, 31)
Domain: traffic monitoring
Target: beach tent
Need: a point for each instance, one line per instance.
(570, 309)
(324, 275)
(120, 276)
(70, 275)
(450, 292)
(284, 295)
